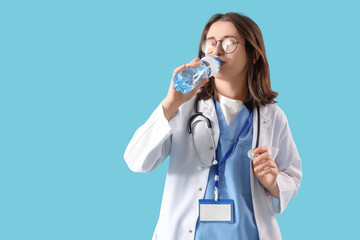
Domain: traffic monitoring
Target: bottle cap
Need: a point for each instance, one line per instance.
(214, 64)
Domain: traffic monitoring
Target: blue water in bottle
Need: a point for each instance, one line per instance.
(189, 78)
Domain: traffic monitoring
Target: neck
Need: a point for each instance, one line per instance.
(232, 89)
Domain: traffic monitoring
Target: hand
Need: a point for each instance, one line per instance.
(265, 170)
(175, 99)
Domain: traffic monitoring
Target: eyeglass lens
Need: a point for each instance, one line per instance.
(228, 44)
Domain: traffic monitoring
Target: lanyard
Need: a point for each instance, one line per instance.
(217, 167)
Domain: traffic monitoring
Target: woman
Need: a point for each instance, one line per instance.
(258, 189)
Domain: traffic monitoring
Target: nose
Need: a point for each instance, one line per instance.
(218, 51)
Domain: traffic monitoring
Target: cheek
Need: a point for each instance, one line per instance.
(241, 58)
(239, 63)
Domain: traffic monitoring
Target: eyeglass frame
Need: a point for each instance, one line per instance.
(237, 43)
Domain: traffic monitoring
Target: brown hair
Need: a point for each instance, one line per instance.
(258, 74)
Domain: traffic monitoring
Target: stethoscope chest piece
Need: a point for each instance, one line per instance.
(251, 154)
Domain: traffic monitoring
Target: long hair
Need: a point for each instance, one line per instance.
(258, 73)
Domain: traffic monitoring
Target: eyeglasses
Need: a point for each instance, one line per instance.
(229, 45)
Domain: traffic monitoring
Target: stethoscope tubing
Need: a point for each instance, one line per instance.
(208, 123)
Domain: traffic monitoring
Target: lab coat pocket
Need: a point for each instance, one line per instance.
(273, 151)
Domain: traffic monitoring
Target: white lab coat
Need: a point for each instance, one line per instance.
(185, 183)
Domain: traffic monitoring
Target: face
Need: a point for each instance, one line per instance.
(234, 65)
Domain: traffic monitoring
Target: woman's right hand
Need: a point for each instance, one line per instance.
(175, 99)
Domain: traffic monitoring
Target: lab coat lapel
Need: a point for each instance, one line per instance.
(265, 121)
(207, 107)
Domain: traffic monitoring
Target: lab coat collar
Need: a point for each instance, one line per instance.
(207, 107)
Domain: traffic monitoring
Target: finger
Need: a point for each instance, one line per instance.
(195, 59)
(187, 65)
(262, 157)
(263, 165)
(260, 150)
(269, 170)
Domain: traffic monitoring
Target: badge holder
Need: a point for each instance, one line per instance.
(216, 211)
(220, 210)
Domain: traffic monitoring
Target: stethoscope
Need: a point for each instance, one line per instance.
(207, 163)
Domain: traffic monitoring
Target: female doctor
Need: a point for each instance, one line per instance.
(239, 105)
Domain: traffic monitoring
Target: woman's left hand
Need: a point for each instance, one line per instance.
(265, 170)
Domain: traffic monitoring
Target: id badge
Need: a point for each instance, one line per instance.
(220, 211)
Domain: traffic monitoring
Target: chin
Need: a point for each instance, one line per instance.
(219, 75)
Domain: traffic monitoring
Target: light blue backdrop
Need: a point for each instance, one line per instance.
(77, 78)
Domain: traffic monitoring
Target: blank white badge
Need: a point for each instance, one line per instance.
(220, 211)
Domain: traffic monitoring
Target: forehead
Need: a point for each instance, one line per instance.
(220, 29)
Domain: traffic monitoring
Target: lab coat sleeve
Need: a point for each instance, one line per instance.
(151, 143)
(290, 174)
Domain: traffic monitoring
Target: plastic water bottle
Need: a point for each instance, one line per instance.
(189, 78)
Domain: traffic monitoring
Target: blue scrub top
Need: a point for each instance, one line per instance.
(234, 182)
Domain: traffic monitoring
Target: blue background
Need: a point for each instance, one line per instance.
(77, 78)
